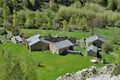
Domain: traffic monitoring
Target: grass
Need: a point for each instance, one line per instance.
(77, 34)
(54, 66)
(108, 33)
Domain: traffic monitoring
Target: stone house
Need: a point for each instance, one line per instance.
(61, 47)
(95, 40)
(92, 51)
(35, 43)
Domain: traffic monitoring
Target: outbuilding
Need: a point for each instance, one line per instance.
(16, 39)
(92, 51)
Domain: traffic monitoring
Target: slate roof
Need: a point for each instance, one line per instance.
(93, 48)
(94, 38)
(36, 38)
(17, 38)
(63, 44)
(45, 41)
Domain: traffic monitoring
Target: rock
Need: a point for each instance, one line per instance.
(107, 69)
(91, 74)
(67, 76)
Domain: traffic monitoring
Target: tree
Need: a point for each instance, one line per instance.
(50, 23)
(83, 24)
(118, 4)
(107, 47)
(117, 23)
(96, 23)
(22, 17)
(65, 26)
(112, 5)
(3, 32)
(71, 21)
(32, 2)
(16, 24)
(6, 12)
(77, 4)
(53, 6)
(40, 20)
(29, 19)
(15, 19)
(25, 3)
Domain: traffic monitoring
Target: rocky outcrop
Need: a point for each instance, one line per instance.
(80, 75)
(92, 73)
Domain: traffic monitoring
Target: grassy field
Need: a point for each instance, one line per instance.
(54, 66)
(107, 33)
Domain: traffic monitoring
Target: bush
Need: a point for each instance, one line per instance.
(83, 24)
(116, 41)
(116, 70)
(117, 23)
(3, 31)
(107, 47)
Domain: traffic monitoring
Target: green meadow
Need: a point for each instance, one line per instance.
(53, 66)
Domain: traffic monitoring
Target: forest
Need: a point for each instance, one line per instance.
(58, 14)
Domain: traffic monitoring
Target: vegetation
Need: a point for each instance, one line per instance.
(117, 66)
(75, 18)
(48, 65)
(45, 64)
(18, 67)
(107, 47)
(3, 32)
(54, 14)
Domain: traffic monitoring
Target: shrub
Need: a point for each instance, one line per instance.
(93, 7)
(116, 41)
(83, 24)
(116, 70)
(76, 4)
(107, 47)
(117, 23)
(3, 31)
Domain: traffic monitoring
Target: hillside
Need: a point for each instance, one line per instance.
(59, 14)
(24, 56)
